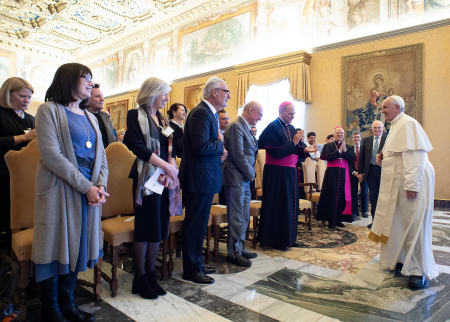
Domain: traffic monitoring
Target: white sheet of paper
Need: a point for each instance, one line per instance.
(219, 206)
(153, 184)
(255, 201)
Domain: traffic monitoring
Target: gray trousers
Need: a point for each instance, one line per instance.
(238, 215)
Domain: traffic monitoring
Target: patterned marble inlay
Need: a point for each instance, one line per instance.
(349, 258)
(392, 301)
(441, 236)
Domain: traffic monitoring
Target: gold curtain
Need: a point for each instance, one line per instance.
(292, 66)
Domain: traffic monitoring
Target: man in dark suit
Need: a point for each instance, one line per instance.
(355, 151)
(201, 175)
(367, 167)
(238, 172)
(96, 105)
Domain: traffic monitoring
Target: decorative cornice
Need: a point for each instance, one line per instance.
(272, 62)
(384, 35)
(212, 72)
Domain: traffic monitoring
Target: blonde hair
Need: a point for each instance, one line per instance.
(12, 84)
(120, 132)
(150, 89)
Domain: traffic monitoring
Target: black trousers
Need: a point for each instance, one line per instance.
(222, 197)
(373, 180)
(198, 207)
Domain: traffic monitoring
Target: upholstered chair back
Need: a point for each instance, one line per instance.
(120, 200)
(258, 178)
(261, 158)
(22, 167)
(320, 168)
(309, 172)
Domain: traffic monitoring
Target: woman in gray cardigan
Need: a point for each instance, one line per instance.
(70, 188)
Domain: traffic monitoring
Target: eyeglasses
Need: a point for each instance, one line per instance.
(87, 77)
(224, 118)
(226, 91)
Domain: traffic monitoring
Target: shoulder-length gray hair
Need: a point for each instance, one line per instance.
(150, 89)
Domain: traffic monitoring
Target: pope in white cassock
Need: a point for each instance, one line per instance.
(404, 214)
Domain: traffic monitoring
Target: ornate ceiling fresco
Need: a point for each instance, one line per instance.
(75, 26)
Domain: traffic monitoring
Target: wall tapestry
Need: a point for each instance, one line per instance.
(367, 79)
(118, 111)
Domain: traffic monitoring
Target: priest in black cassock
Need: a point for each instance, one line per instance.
(279, 209)
(335, 204)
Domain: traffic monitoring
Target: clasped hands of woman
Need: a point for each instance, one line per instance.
(96, 195)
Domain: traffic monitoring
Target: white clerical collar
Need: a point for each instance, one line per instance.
(213, 110)
(395, 120)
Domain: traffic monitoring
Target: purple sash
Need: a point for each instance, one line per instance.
(342, 163)
(289, 161)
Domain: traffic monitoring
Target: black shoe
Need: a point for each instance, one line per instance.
(50, 310)
(154, 284)
(339, 224)
(365, 215)
(69, 309)
(418, 282)
(296, 244)
(398, 269)
(369, 226)
(332, 227)
(249, 255)
(207, 270)
(239, 261)
(282, 248)
(198, 278)
(142, 286)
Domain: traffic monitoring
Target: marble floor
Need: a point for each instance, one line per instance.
(344, 283)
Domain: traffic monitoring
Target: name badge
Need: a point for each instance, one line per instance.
(167, 131)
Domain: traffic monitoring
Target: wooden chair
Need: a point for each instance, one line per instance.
(117, 226)
(218, 216)
(255, 211)
(309, 176)
(22, 167)
(320, 169)
(307, 205)
(260, 162)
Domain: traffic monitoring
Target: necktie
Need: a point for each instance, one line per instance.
(375, 152)
(217, 118)
(357, 158)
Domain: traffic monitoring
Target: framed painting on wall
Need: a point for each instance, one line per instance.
(193, 96)
(367, 79)
(217, 41)
(118, 111)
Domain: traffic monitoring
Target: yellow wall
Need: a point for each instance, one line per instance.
(325, 112)
(33, 106)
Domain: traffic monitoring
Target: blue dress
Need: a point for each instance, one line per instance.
(77, 129)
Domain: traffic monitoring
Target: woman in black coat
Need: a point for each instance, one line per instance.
(177, 113)
(16, 131)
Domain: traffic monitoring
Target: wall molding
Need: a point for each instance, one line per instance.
(382, 36)
(210, 73)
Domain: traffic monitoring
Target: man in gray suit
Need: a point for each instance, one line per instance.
(238, 172)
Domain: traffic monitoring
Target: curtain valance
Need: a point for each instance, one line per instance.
(292, 66)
